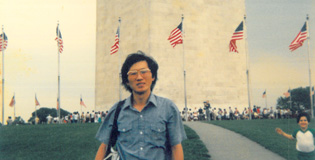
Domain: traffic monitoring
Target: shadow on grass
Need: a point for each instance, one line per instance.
(194, 149)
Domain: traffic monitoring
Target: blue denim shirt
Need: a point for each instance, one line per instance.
(143, 135)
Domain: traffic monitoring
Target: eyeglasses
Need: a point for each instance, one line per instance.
(143, 72)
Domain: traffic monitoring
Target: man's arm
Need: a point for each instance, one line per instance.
(101, 152)
(177, 151)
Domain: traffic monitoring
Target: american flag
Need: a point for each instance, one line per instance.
(36, 101)
(115, 47)
(176, 36)
(82, 103)
(237, 35)
(12, 103)
(3, 41)
(57, 103)
(59, 40)
(299, 39)
(287, 94)
(264, 94)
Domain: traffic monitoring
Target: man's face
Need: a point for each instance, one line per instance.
(140, 78)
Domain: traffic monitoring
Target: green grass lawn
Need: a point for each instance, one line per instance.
(263, 132)
(76, 141)
(194, 149)
(68, 141)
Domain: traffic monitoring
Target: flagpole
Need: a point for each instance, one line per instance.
(309, 65)
(35, 109)
(290, 98)
(266, 99)
(14, 105)
(80, 103)
(119, 85)
(184, 71)
(59, 107)
(2, 48)
(247, 70)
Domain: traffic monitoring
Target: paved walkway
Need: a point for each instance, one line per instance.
(224, 144)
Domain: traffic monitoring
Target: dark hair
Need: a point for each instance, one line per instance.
(303, 114)
(131, 60)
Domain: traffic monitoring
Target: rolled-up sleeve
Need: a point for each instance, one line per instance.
(103, 133)
(175, 126)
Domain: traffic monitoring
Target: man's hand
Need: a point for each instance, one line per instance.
(101, 152)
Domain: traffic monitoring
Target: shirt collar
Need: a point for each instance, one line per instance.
(152, 100)
(304, 131)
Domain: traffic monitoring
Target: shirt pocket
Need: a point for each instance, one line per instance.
(158, 134)
(125, 133)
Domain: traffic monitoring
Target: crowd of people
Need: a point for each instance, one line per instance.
(76, 117)
(15, 121)
(205, 113)
(209, 113)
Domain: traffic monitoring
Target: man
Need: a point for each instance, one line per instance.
(200, 114)
(82, 118)
(92, 116)
(9, 121)
(36, 120)
(255, 110)
(75, 117)
(49, 118)
(207, 108)
(146, 123)
(231, 113)
(87, 117)
(214, 114)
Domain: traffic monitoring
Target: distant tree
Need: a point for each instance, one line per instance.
(43, 112)
(299, 97)
(283, 102)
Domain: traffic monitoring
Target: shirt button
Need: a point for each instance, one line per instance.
(141, 148)
(124, 129)
(141, 116)
(141, 132)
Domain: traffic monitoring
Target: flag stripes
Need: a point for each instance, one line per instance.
(264, 94)
(237, 35)
(287, 94)
(299, 39)
(176, 36)
(115, 47)
(59, 39)
(36, 101)
(3, 41)
(57, 104)
(12, 103)
(82, 103)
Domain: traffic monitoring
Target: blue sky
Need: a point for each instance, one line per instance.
(271, 27)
